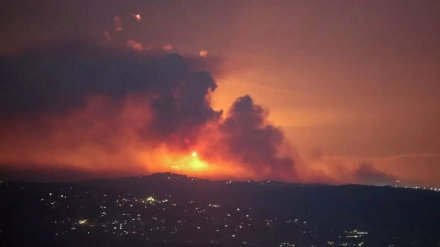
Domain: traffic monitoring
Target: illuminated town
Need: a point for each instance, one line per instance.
(173, 210)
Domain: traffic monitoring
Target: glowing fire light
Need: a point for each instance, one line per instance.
(198, 165)
(203, 53)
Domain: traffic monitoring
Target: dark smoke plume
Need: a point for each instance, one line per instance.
(367, 174)
(256, 143)
(54, 81)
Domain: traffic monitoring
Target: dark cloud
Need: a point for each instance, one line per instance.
(253, 141)
(367, 174)
(58, 77)
(57, 80)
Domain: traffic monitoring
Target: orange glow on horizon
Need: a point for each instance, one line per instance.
(101, 144)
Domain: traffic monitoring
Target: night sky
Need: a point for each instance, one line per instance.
(307, 91)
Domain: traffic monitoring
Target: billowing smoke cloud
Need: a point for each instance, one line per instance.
(337, 169)
(256, 143)
(89, 108)
(58, 79)
(367, 174)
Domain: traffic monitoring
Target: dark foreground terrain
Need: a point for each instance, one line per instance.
(174, 210)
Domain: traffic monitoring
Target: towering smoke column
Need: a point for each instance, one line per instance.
(255, 143)
(106, 112)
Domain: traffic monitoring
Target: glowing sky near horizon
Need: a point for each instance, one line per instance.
(351, 83)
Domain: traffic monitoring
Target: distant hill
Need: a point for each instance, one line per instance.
(410, 215)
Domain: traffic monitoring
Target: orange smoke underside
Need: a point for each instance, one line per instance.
(102, 139)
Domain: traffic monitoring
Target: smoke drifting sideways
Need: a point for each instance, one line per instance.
(76, 110)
